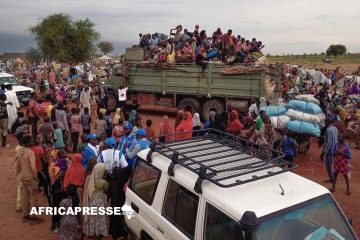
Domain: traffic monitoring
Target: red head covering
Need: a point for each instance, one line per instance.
(76, 173)
(234, 125)
(186, 125)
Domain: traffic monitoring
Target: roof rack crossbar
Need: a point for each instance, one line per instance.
(227, 166)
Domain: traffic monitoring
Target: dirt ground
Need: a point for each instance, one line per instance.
(310, 167)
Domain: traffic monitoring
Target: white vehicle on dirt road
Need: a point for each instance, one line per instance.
(23, 93)
(213, 188)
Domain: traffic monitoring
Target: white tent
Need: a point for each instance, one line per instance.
(104, 58)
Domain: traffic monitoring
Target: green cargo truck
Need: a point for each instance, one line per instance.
(161, 87)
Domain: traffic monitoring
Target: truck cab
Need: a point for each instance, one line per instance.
(213, 187)
(23, 93)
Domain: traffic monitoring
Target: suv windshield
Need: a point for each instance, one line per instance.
(319, 218)
(11, 80)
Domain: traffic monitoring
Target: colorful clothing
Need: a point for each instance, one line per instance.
(342, 159)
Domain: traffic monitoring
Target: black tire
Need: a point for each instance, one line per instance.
(212, 105)
(190, 103)
(112, 101)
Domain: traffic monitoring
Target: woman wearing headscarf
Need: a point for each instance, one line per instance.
(75, 174)
(234, 125)
(180, 116)
(94, 196)
(268, 131)
(249, 128)
(56, 189)
(217, 124)
(185, 127)
(68, 223)
(210, 120)
(196, 124)
(165, 130)
(132, 117)
(117, 199)
(117, 116)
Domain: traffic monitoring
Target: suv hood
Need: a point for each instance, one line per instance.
(19, 88)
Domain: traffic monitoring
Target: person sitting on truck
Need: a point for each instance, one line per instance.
(234, 125)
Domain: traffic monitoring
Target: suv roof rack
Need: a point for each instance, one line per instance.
(223, 159)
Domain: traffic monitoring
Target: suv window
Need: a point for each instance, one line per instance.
(219, 226)
(144, 180)
(180, 207)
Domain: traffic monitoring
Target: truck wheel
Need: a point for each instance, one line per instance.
(112, 101)
(190, 104)
(212, 105)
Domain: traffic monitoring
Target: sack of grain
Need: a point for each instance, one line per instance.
(303, 127)
(302, 106)
(280, 121)
(274, 111)
(301, 116)
(307, 98)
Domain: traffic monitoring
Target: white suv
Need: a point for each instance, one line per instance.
(213, 188)
(23, 93)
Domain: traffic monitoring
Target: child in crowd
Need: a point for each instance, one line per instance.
(46, 131)
(108, 128)
(342, 163)
(100, 124)
(118, 130)
(150, 133)
(85, 121)
(101, 109)
(75, 121)
(61, 161)
(58, 137)
(126, 118)
(83, 143)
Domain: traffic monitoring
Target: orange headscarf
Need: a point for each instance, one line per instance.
(234, 126)
(186, 125)
(76, 173)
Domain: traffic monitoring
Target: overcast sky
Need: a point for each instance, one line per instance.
(284, 26)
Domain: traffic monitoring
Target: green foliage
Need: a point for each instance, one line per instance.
(336, 50)
(105, 47)
(62, 39)
(33, 55)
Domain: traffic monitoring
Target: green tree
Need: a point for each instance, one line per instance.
(336, 50)
(105, 47)
(62, 39)
(33, 55)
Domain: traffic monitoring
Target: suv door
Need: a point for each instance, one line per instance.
(179, 213)
(140, 195)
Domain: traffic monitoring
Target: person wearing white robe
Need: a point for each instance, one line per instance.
(85, 99)
(13, 107)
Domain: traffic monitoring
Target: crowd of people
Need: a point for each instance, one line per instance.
(185, 46)
(95, 171)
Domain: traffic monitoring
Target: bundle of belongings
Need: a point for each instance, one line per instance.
(186, 46)
(300, 116)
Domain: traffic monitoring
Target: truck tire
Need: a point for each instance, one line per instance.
(112, 101)
(190, 103)
(212, 105)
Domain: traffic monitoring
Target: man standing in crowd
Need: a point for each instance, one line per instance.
(85, 99)
(3, 120)
(331, 139)
(33, 114)
(129, 146)
(111, 156)
(122, 98)
(90, 150)
(26, 170)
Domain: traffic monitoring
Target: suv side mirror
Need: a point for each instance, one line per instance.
(249, 223)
